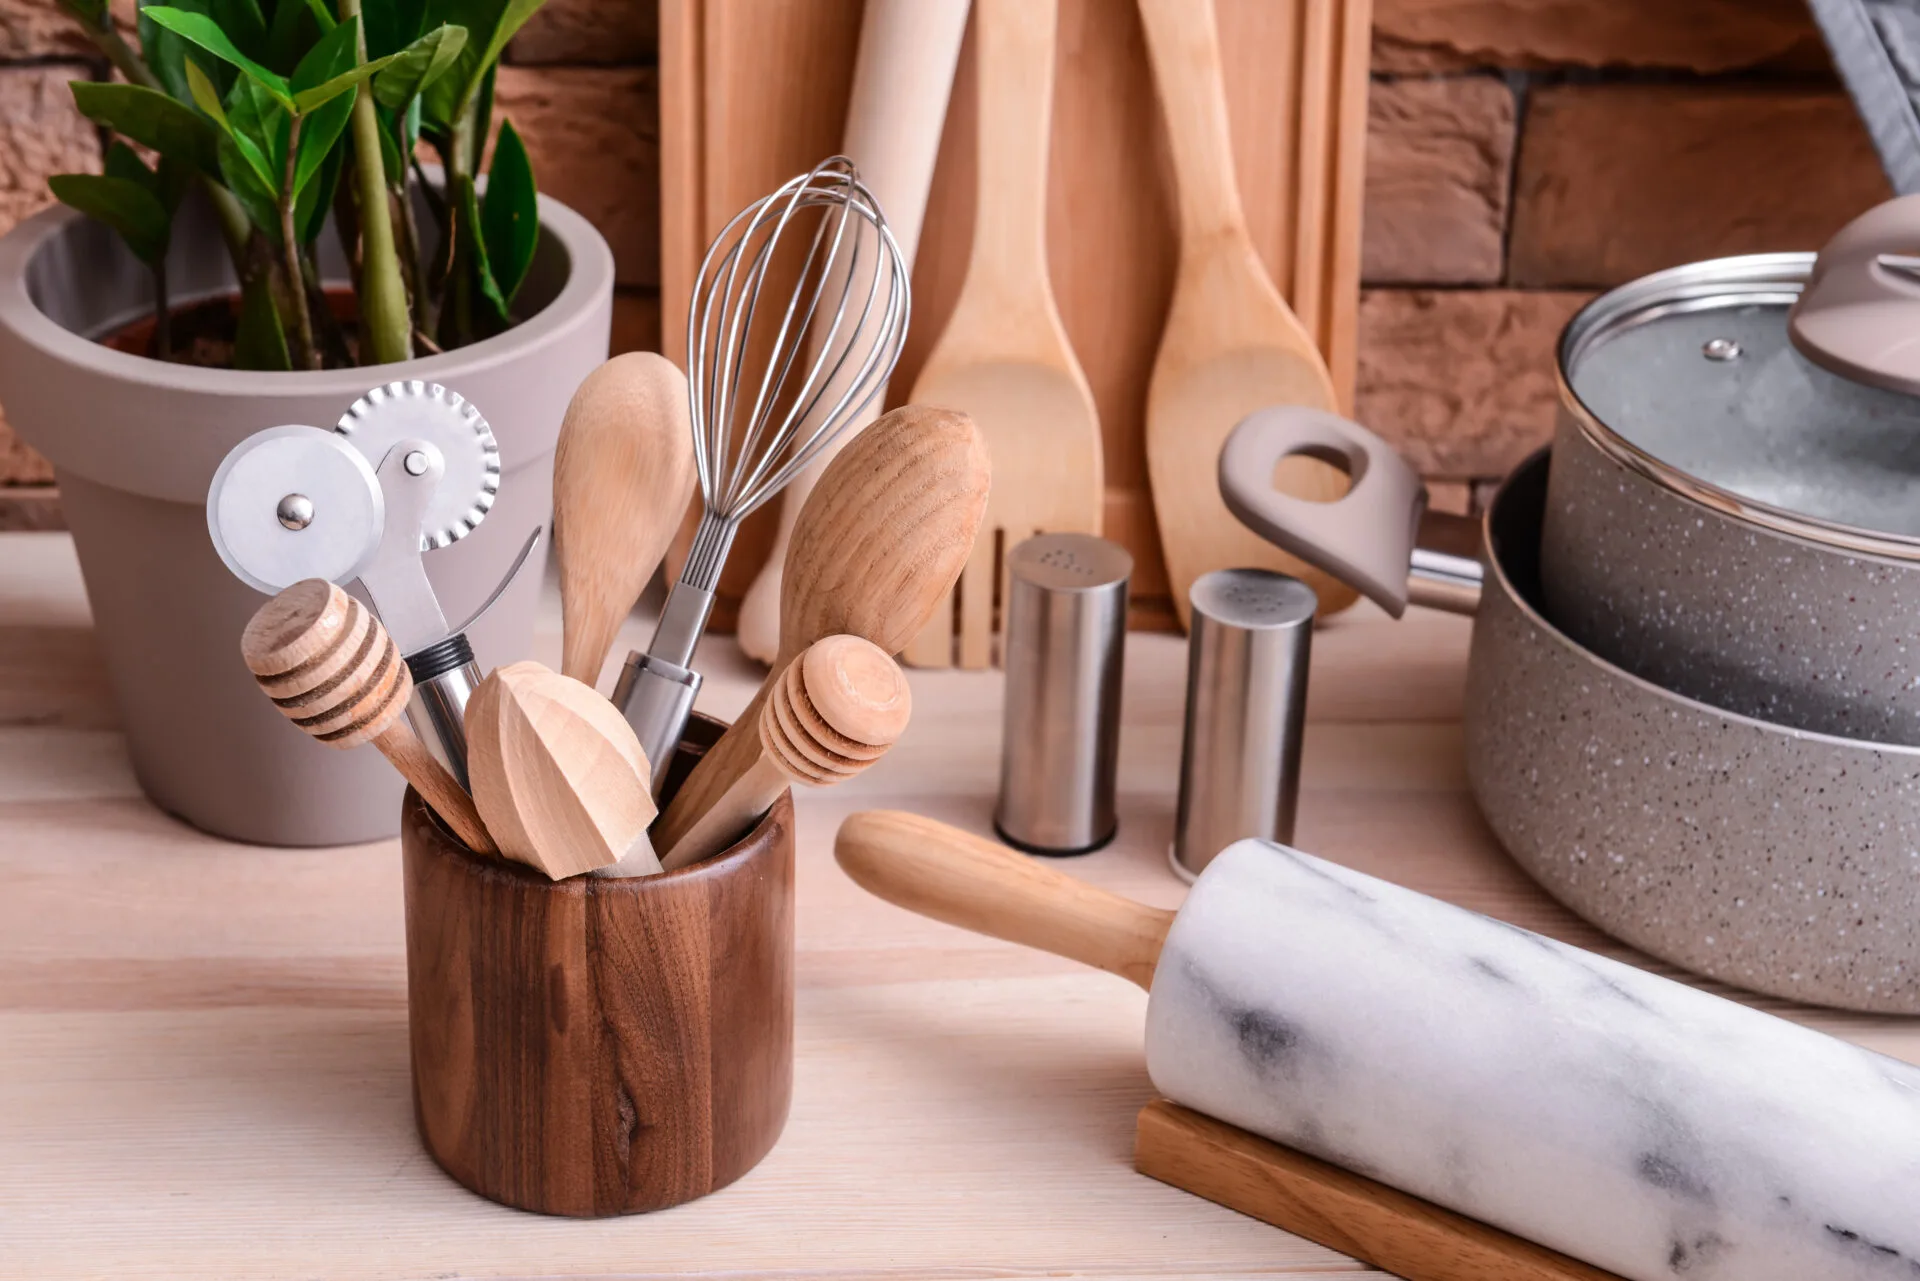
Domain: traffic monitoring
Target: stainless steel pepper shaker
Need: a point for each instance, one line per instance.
(1247, 654)
(1065, 640)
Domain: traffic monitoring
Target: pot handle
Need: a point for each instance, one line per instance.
(1364, 538)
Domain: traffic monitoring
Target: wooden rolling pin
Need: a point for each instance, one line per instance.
(557, 773)
(835, 710)
(328, 664)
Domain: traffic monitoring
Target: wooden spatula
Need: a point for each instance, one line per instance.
(622, 478)
(330, 667)
(875, 551)
(1004, 357)
(834, 712)
(1231, 344)
(557, 772)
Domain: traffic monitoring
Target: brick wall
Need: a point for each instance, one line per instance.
(1522, 154)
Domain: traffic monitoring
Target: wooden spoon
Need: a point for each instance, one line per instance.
(875, 551)
(328, 664)
(623, 475)
(1004, 357)
(1231, 345)
(557, 772)
(835, 711)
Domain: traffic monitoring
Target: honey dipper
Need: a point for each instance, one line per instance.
(834, 711)
(328, 664)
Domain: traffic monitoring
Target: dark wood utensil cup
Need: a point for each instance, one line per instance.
(595, 1047)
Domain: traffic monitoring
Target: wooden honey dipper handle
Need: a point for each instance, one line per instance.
(835, 710)
(330, 667)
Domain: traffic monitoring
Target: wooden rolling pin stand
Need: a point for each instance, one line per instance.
(592, 1046)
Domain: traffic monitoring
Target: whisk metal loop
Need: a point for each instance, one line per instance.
(769, 388)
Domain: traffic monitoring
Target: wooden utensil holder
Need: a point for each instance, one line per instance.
(594, 1047)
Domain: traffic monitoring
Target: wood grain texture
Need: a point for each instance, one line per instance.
(1004, 358)
(1376, 1224)
(1111, 222)
(937, 870)
(598, 1047)
(557, 772)
(622, 475)
(875, 550)
(1231, 343)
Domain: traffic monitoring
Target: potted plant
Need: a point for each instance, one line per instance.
(262, 247)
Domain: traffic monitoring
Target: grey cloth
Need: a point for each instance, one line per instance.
(1876, 46)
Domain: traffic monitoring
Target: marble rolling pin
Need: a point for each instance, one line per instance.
(1631, 1122)
(835, 711)
(330, 667)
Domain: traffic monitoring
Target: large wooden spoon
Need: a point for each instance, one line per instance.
(1004, 356)
(875, 551)
(1231, 344)
(622, 478)
(330, 667)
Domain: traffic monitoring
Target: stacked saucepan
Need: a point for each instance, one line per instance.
(1693, 697)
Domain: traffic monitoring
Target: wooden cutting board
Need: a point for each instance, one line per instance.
(754, 91)
(1392, 1231)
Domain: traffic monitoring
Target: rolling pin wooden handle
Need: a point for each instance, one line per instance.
(750, 796)
(400, 745)
(1183, 44)
(979, 885)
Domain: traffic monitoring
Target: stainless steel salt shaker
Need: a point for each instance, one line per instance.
(1247, 653)
(1065, 638)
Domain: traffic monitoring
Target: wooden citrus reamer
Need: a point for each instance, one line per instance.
(330, 667)
(875, 552)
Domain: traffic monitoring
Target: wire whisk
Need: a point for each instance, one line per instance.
(770, 385)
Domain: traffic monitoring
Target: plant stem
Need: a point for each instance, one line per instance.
(386, 328)
(162, 320)
(304, 354)
(456, 304)
(410, 254)
(329, 336)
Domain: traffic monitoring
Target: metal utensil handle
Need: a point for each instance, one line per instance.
(1367, 536)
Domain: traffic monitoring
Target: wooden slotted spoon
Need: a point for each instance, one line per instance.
(1231, 343)
(1004, 358)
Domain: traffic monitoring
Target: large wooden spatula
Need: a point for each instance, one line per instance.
(1231, 344)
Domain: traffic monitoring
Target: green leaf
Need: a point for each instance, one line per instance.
(125, 163)
(392, 25)
(510, 217)
(491, 302)
(173, 179)
(151, 119)
(319, 131)
(335, 52)
(261, 342)
(254, 193)
(325, 93)
(293, 32)
(168, 54)
(241, 132)
(122, 204)
(418, 65)
(244, 25)
(392, 158)
(490, 25)
(316, 199)
(203, 31)
(327, 21)
(511, 17)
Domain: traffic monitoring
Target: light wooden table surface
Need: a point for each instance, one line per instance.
(203, 1046)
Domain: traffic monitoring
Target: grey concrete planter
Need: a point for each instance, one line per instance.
(134, 443)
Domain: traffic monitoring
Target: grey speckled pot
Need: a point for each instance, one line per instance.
(1773, 858)
(1740, 530)
(1776, 859)
(134, 444)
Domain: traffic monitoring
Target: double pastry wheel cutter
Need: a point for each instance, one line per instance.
(410, 468)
